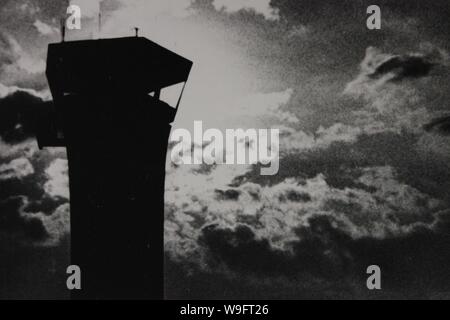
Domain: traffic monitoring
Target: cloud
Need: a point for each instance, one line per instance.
(380, 208)
(343, 188)
(260, 6)
(295, 229)
(16, 169)
(44, 28)
(378, 68)
(15, 226)
(18, 67)
(25, 148)
(29, 8)
(57, 184)
(18, 111)
(34, 204)
(10, 90)
(7, 54)
(399, 90)
(56, 225)
(33, 228)
(436, 145)
(299, 32)
(293, 141)
(25, 61)
(441, 126)
(399, 67)
(33, 185)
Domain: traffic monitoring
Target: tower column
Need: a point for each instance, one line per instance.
(116, 135)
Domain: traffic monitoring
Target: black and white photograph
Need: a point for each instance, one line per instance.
(205, 150)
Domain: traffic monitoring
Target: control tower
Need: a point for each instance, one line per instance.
(106, 111)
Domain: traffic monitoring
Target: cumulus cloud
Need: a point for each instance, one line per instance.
(342, 189)
(16, 169)
(33, 228)
(386, 94)
(34, 206)
(398, 67)
(10, 90)
(25, 148)
(293, 140)
(405, 105)
(380, 208)
(57, 184)
(378, 68)
(56, 224)
(33, 194)
(15, 226)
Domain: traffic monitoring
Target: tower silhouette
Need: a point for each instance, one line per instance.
(107, 113)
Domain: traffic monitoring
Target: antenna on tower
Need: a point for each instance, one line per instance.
(63, 29)
(99, 23)
(136, 29)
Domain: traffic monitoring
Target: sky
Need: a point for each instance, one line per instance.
(364, 149)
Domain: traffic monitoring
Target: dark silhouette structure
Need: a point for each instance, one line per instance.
(108, 115)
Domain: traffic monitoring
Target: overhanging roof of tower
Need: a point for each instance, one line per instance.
(127, 64)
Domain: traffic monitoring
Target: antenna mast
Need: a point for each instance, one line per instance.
(63, 29)
(99, 22)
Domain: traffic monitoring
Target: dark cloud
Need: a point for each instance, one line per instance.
(18, 116)
(30, 210)
(441, 125)
(354, 11)
(18, 226)
(34, 244)
(410, 269)
(242, 252)
(30, 215)
(295, 196)
(229, 194)
(403, 67)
